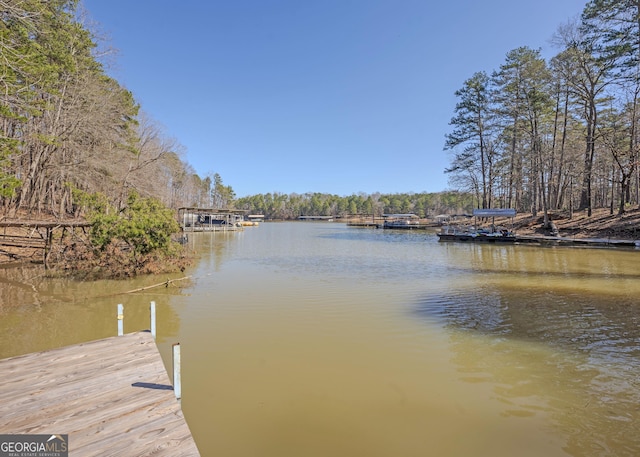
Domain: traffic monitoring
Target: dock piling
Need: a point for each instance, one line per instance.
(153, 319)
(120, 320)
(177, 384)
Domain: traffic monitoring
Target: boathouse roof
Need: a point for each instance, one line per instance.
(502, 212)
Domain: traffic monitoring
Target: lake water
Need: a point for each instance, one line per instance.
(318, 339)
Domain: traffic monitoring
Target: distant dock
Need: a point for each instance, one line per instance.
(365, 224)
(393, 221)
(539, 240)
(566, 241)
(111, 396)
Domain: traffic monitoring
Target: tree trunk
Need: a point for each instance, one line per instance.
(586, 193)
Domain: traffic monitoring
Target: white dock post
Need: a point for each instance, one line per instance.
(153, 319)
(177, 384)
(120, 320)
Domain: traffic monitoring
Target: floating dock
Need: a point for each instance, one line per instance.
(389, 225)
(364, 224)
(566, 241)
(111, 396)
(540, 240)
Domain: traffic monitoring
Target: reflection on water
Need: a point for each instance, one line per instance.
(555, 329)
(579, 354)
(320, 339)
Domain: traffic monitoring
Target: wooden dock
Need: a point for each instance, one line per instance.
(32, 239)
(566, 241)
(111, 396)
(364, 224)
(540, 240)
(382, 225)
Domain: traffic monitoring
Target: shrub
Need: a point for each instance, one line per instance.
(141, 231)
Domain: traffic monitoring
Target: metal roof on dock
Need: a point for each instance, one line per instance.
(503, 212)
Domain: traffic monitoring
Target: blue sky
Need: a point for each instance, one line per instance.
(333, 96)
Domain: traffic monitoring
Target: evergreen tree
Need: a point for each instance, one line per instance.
(472, 131)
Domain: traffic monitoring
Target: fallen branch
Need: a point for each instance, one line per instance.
(166, 284)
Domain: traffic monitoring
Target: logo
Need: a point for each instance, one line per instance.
(34, 445)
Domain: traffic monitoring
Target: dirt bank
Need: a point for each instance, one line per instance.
(67, 249)
(601, 224)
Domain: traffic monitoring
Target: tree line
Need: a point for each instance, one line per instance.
(291, 206)
(65, 125)
(540, 135)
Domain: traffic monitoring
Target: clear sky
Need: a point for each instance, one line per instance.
(332, 96)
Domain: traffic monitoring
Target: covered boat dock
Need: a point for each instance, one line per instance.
(475, 232)
(193, 219)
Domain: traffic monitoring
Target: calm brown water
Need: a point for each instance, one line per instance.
(317, 339)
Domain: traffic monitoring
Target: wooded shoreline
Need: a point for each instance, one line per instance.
(23, 241)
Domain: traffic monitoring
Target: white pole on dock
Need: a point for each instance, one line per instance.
(177, 384)
(153, 319)
(120, 320)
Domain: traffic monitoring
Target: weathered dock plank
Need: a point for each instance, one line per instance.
(111, 396)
